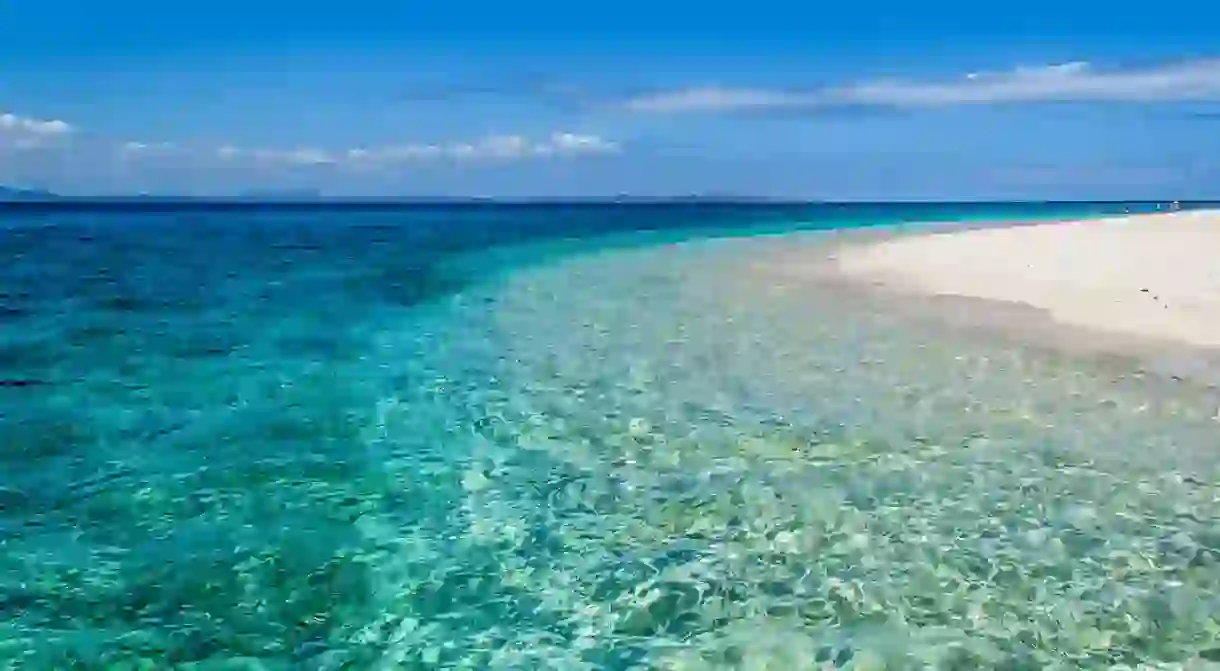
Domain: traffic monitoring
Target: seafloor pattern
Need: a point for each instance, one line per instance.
(641, 458)
(692, 467)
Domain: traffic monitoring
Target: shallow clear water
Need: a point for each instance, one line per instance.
(382, 439)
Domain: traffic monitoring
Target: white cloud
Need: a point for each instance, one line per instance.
(13, 123)
(465, 151)
(145, 148)
(710, 99)
(1189, 81)
(514, 147)
(404, 153)
(572, 144)
(495, 148)
(503, 146)
(304, 156)
(21, 132)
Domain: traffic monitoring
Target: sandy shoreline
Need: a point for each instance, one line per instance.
(1146, 286)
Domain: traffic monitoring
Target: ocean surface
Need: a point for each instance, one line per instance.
(564, 437)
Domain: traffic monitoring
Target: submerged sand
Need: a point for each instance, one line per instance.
(737, 468)
(638, 458)
(1150, 276)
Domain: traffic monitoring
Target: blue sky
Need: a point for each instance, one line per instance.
(881, 100)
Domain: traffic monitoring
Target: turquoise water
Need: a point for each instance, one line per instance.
(562, 437)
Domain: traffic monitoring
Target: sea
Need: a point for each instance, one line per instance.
(565, 436)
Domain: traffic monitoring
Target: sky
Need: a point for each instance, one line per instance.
(880, 100)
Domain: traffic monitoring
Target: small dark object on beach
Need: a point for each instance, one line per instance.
(1154, 297)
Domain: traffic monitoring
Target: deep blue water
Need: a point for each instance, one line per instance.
(187, 394)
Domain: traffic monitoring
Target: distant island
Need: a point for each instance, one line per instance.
(316, 198)
(8, 193)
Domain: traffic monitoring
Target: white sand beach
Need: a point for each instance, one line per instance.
(1150, 276)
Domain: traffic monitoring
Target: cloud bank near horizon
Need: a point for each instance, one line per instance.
(1079, 81)
(21, 133)
(490, 149)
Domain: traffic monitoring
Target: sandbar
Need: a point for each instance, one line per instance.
(1155, 276)
(1144, 284)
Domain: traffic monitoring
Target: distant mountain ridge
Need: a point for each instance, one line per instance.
(9, 193)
